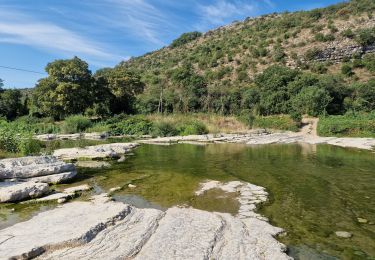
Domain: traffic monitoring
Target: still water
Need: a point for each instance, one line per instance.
(314, 190)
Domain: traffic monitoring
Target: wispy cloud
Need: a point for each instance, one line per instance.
(19, 28)
(142, 19)
(224, 11)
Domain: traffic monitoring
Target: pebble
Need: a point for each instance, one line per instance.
(114, 189)
(343, 234)
(362, 220)
(132, 186)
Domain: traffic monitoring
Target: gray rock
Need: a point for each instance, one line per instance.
(54, 178)
(104, 151)
(75, 189)
(17, 191)
(35, 166)
(343, 234)
(92, 164)
(71, 224)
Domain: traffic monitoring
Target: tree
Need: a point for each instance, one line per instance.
(10, 103)
(273, 86)
(120, 87)
(67, 90)
(311, 100)
(192, 88)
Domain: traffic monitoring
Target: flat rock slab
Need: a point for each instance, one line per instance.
(70, 224)
(17, 191)
(105, 151)
(179, 233)
(33, 166)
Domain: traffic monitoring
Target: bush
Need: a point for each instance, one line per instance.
(8, 140)
(281, 122)
(75, 124)
(369, 62)
(29, 146)
(192, 128)
(164, 129)
(312, 54)
(366, 36)
(347, 70)
(136, 125)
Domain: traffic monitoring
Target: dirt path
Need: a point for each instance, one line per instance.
(309, 126)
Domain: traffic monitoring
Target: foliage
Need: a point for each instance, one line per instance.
(365, 36)
(75, 124)
(354, 125)
(136, 125)
(185, 38)
(282, 122)
(67, 89)
(10, 103)
(164, 129)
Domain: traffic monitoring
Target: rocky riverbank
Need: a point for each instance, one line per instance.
(104, 229)
(263, 137)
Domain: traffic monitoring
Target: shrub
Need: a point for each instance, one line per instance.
(8, 140)
(347, 70)
(185, 38)
(312, 54)
(369, 62)
(192, 128)
(365, 36)
(75, 124)
(164, 129)
(282, 122)
(136, 125)
(29, 146)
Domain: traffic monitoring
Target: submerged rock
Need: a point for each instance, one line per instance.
(104, 151)
(17, 191)
(104, 229)
(92, 164)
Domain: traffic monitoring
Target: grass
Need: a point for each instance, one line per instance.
(280, 122)
(350, 125)
(214, 123)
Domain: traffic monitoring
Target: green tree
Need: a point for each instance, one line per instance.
(119, 86)
(311, 100)
(67, 90)
(191, 89)
(273, 86)
(10, 103)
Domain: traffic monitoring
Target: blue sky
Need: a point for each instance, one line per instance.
(105, 32)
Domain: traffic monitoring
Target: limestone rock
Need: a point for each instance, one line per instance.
(75, 189)
(34, 166)
(17, 191)
(71, 224)
(54, 178)
(343, 234)
(104, 151)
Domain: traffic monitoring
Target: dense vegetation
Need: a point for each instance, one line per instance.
(265, 71)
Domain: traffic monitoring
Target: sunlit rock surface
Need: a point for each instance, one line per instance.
(104, 151)
(17, 191)
(103, 229)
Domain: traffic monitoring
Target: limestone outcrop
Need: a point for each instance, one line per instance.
(264, 137)
(103, 229)
(104, 151)
(17, 191)
(47, 169)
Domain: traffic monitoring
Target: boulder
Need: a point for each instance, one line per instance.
(17, 191)
(34, 166)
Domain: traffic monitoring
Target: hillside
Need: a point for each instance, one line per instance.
(332, 41)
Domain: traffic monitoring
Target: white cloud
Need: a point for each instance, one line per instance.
(18, 28)
(222, 10)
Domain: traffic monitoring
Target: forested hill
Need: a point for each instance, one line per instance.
(216, 71)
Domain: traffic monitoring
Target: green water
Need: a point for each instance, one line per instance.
(314, 190)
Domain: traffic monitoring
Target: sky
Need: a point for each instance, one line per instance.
(105, 32)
